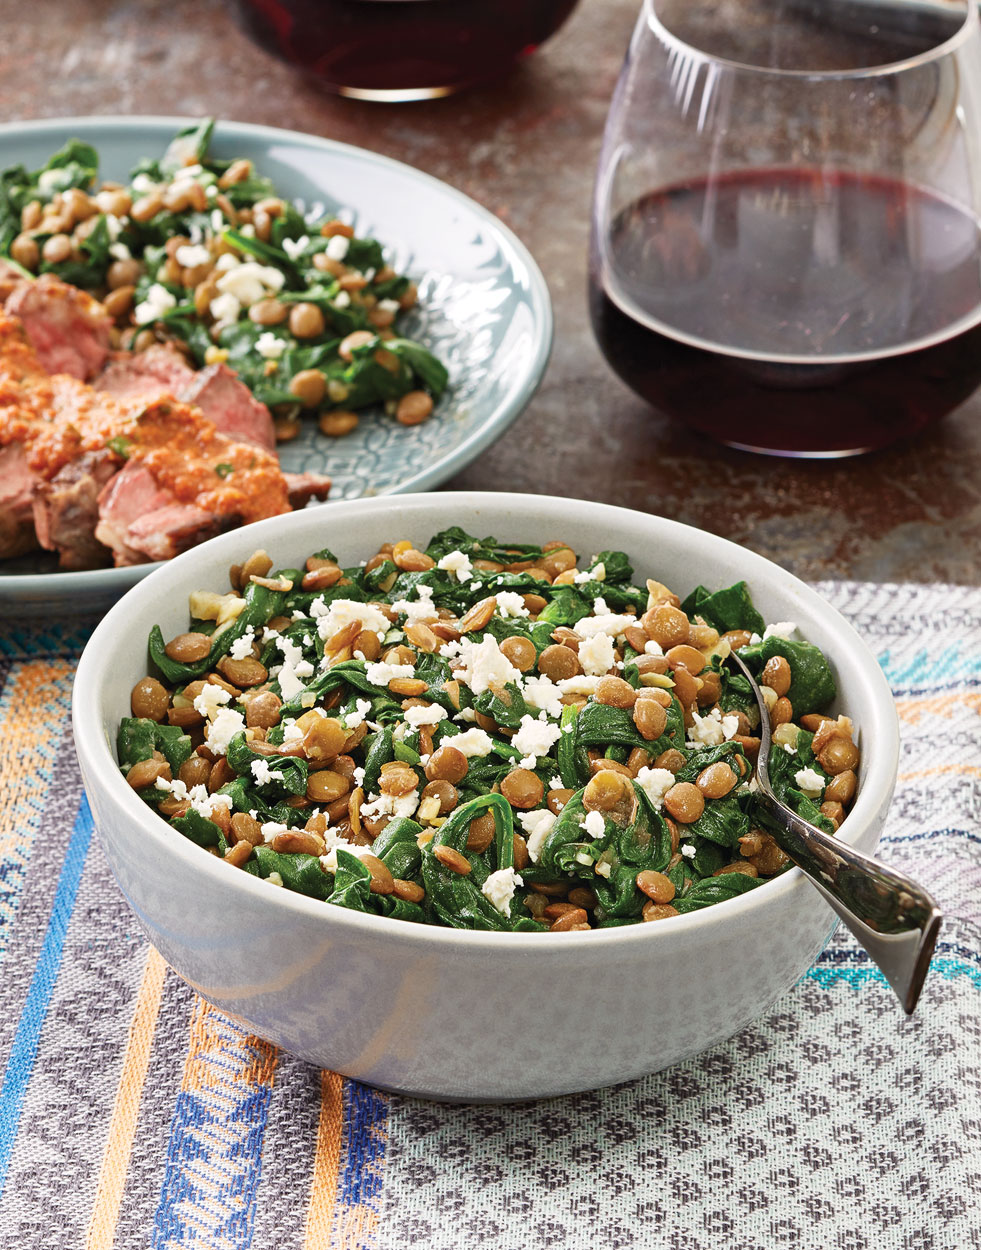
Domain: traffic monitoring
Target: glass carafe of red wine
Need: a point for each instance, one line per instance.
(786, 252)
(394, 50)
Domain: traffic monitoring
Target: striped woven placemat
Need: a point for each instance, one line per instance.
(134, 1115)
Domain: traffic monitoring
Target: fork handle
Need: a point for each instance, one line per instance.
(895, 919)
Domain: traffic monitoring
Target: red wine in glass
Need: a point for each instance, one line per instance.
(799, 311)
(402, 49)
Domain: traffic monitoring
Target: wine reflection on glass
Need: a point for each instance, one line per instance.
(785, 248)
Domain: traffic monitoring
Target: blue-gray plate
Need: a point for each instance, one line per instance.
(484, 309)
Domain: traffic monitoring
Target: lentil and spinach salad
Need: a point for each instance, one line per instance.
(206, 254)
(484, 736)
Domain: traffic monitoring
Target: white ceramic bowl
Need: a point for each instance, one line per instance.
(442, 1012)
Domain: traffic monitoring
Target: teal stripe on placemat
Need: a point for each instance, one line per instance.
(24, 1049)
(857, 975)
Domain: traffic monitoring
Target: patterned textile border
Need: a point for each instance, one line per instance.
(134, 1115)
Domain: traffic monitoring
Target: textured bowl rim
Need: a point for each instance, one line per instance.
(539, 300)
(880, 729)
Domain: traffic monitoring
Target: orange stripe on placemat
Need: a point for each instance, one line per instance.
(322, 1211)
(31, 729)
(911, 710)
(959, 770)
(122, 1124)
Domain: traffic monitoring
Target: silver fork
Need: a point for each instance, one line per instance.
(894, 919)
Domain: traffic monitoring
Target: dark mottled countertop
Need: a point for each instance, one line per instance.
(526, 147)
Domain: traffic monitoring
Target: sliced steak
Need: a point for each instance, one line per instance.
(162, 372)
(16, 512)
(228, 402)
(159, 371)
(139, 520)
(11, 276)
(66, 510)
(67, 328)
(303, 487)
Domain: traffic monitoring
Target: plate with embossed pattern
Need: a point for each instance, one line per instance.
(483, 309)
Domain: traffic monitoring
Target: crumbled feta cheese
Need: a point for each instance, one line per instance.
(536, 826)
(337, 246)
(223, 729)
(294, 668)
(380, 674)
(594, 824)
(730, 727)
(651, 647)
(535, 737)
(755, 639)
(270, 346)
(271, 828)
(250, 282)
(611, 623)
(226, 260)
(190, 255)
(499, 888)
(542, 694)
(158, 302)
(510, 603)
(292, 733)
(294, 247)
(596, 654)
(211, 700)
(263, 774)
(578, 685)
(431, 715)
(340, 612)
(418, 611)
(119, 251)
(342, 299)
(241, 648)
(457, 562)
(389, 305)
(707, 730)
(810, 781)
(391, 805)
(353, 719)
(780, 629)
(335, 843)
(225, 308)
(472, 742)
(142, 184)
(485, 665)
(688, 850)
(655, 782)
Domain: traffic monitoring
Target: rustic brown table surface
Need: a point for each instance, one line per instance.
(526, 148)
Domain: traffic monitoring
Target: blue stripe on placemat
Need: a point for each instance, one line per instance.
(214, 1153)
(25, 1044)
(856, 975)
(365, 1140)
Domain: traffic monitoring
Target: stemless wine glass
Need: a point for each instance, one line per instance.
(786, 250)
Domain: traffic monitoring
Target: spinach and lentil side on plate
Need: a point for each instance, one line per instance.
(482, 735)
(206, 254)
